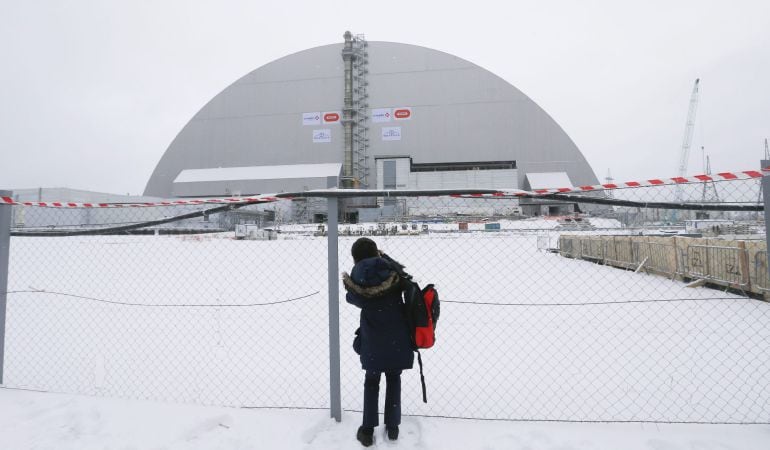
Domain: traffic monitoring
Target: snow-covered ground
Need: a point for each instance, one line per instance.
(32, 420)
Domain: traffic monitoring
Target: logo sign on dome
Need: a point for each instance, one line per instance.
(322, 136)
(311, 118)
(331, 117)
(402, 113)
(380, 115)
(391, 133)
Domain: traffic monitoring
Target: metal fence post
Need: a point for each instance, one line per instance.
(5, 246)
(334, 306)
(766, 197)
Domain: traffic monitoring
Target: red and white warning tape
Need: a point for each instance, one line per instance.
(723, 176)
(198, 201)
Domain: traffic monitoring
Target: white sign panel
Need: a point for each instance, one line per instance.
(381, 115)
(331, 117)
(321, 136)
(403, 113)
(311, 118)
(391, 133)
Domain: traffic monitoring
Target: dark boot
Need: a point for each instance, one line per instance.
(393, 432)
(365, 436)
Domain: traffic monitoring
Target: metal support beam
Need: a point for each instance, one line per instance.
(5, 246)
(334, 306)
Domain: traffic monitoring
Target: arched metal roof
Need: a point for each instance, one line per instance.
(460, 112)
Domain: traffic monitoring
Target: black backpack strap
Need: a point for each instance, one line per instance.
(422, 378)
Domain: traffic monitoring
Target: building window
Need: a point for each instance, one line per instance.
(447, 166)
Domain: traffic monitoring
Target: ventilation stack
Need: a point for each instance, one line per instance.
(348, 112)
(354, 113)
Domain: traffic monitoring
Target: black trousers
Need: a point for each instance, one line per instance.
(392, 398)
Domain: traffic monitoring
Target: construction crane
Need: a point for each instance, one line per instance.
(684, 156)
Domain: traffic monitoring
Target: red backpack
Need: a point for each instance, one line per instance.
(422, 309)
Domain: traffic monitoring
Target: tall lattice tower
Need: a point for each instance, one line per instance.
(609, 193)
(355, 112)
(360, 108)
(709, 194)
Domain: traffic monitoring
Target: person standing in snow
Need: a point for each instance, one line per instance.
(383, 341)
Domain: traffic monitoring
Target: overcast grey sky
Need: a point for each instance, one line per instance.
(93, 92)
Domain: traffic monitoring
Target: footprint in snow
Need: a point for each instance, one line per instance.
(222, 422)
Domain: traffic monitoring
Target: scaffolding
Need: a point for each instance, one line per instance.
(355, 118)
(360, 108)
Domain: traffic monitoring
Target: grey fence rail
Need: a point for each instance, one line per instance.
(244, 307)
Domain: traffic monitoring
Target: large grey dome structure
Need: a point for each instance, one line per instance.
(453, 117)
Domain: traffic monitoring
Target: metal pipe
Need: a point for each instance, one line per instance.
(335, 398)
(5, 246)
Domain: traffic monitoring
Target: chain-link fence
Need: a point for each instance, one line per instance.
(600, 309)
(166, 314)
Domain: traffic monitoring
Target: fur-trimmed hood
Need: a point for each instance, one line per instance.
(371, 277)
(371, 291)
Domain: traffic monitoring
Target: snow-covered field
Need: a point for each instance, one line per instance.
(524, 334)
(30, 420)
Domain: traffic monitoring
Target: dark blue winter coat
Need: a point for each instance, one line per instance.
(374, 287)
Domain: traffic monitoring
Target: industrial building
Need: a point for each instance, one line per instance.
(34, 219)
(376, 115)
